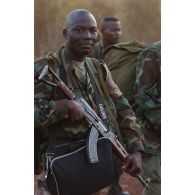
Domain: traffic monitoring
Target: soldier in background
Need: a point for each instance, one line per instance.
(148, 111)
(110, 29)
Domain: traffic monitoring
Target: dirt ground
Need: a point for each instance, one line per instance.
(129, 184)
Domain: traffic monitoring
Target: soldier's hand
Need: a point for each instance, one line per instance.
(133, 164)
(75, 111)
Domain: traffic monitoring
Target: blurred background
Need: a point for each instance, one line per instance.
(140, 20)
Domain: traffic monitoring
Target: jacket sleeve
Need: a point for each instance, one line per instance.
(44, 106)
(126, 118)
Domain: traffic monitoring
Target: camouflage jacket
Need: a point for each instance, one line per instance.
(47, 119)
(148, 91)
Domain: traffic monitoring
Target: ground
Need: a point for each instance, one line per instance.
(129, 184)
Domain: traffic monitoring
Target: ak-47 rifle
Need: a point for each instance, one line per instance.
(93, 121)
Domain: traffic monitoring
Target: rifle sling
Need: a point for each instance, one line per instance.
(99, 101)
(107, 96)
(66, 68)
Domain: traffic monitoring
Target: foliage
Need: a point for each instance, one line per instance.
(140, 19)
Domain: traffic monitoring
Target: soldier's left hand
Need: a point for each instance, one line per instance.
(133, 164)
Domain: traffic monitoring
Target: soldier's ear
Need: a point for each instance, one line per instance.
(64, 32)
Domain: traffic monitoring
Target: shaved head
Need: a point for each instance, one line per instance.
(76, 15)
(80, 33)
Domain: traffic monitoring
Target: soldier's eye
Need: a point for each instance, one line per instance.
(79, 29)
(93, 30)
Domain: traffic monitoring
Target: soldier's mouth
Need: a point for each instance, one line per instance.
(87, 45)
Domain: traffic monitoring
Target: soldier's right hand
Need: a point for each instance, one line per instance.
(75, 111)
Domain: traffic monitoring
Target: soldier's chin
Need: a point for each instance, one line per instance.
(86, 51)
(117, 41)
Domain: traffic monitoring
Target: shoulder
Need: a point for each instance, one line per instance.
(98, 66)
(39, 65)
(51, 59)
(154, 46)
(96, 62)
(151, 53)
(123, 50)
(152, 50)
(93, 63)
(93, 60)
(131, 44)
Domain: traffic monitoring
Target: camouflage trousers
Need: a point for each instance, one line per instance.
(152, 169)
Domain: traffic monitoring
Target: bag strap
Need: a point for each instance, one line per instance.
(97, 89)
(107, 96)
(66, 67)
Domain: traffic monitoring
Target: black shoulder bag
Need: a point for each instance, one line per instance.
(72, 174)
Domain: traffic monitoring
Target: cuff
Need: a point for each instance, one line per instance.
(134, 145)
(115, 93)
(61, 106)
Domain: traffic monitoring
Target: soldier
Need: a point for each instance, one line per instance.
(54, 111)
(110, 28)
(148, 110)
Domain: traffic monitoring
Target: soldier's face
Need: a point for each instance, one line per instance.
(112, 32)
(81, 36)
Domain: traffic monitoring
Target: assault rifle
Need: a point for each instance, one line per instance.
(92, 120)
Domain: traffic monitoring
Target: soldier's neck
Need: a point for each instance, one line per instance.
(105, 44)
(74, 57)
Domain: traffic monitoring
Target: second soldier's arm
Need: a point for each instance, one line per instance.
(128, 126)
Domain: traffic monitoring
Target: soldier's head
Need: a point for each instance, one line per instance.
(110, 28)
(80, 33)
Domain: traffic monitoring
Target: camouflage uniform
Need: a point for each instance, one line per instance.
(148, 110)
(47, 119)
